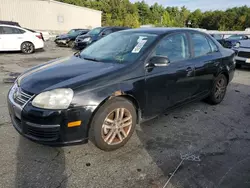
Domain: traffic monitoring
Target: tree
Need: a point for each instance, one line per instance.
(125, 13)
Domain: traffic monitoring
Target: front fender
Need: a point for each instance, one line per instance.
(95, 97)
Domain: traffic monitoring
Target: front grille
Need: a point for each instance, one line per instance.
(46, 134)
(244, 54)
(21, 97)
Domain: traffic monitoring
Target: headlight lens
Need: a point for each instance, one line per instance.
(54, 99)
(237, 45)
(86, 39)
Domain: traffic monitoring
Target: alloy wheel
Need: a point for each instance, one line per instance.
(27, 48)
(220, 88)
(117, 126)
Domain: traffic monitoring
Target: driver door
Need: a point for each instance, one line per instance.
(173, 83)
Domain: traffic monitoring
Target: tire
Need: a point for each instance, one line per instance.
(219, 90)
(238, 66)
(71, 44)
(27, 47)
(110, 136)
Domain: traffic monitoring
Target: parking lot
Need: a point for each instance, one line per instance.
(216, 137)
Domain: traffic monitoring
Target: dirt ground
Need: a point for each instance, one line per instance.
(216, 137)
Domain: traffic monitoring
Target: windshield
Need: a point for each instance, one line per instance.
(75, 32)
(119, 47)
(71, 31)
(238, 37)
(95, 31)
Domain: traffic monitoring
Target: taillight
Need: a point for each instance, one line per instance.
(39, 36)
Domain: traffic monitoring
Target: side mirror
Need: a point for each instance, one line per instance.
(159, 61)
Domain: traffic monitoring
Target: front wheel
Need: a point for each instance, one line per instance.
(71, 44)
(219, 90)
(113, 124)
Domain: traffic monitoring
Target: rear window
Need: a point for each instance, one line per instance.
(30, 30)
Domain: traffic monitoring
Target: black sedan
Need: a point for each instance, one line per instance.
(68, 39)
(82, 41)
(242, 50)
(119, 81)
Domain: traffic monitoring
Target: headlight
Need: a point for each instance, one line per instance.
(54, 99)
(86, 39)
(237, 45)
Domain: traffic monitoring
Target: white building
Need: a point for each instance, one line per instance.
(48, 15)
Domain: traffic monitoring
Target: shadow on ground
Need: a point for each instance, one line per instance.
(219, 135)
(39, 166)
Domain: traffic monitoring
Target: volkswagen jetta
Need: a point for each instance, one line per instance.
(119, 81)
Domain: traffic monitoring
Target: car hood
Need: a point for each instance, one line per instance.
(245, 43)
(65, 72)
(232, 40)
(64, 37)
(93, 37)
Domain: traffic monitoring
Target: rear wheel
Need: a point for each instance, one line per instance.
(113, 124)
(27, 47)
(219, 90)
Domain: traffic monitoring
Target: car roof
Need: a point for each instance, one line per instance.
(161, 30)
(9, 25)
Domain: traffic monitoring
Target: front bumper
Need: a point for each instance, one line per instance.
(50, 126)
(80, 45)
(243, 60)
(61, 42)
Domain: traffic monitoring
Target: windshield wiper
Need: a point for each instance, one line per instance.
(91, 59)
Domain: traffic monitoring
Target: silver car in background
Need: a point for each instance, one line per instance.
(242, 53)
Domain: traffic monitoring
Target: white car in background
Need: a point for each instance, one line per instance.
(13, 38)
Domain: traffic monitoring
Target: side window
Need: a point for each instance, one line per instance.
(107, 32)
(175, 47)
(214, 48)
(11, 30)
(201, 45)
(19, 31)
(1, 30)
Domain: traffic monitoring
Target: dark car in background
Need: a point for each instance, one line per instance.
(242, 51)
(82, 41)
(9, 23)
(231, 41)
(219, 38)
(117, 82)
(69, 38)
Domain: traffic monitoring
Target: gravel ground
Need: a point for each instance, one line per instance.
(217, 136)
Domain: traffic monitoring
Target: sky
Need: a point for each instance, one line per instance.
(204, 5)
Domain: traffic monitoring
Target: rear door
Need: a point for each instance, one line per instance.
(12, 38)
(206, 59)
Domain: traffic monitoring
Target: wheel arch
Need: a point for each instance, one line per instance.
(28, 42)
(124, 95)
(225, 73)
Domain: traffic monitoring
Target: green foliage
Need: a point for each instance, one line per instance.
(125, 13)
